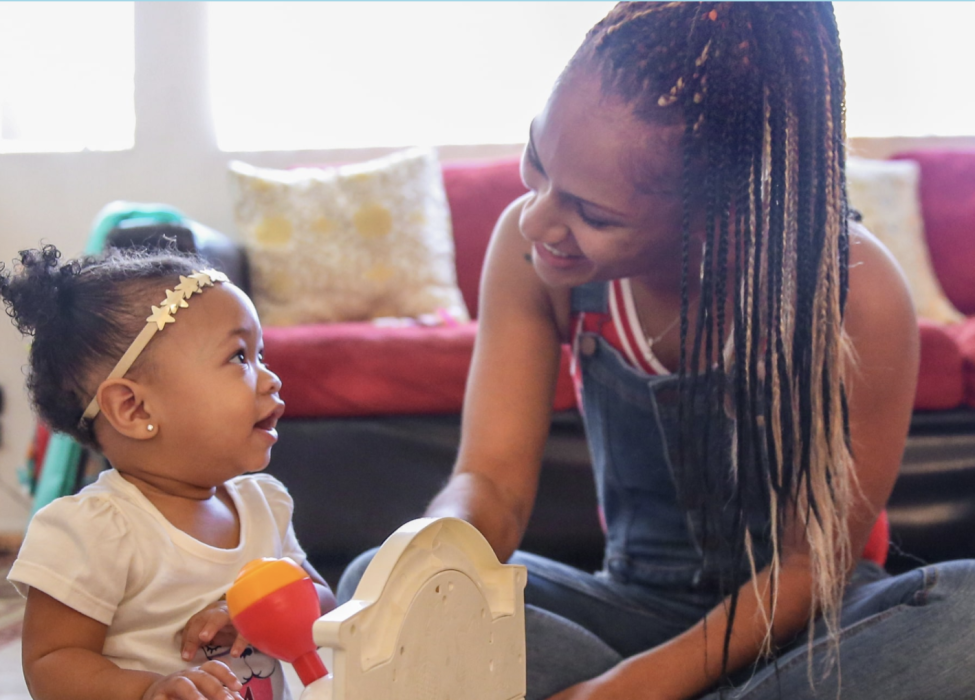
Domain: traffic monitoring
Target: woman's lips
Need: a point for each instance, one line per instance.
(553, 257)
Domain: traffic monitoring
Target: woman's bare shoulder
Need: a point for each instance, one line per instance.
(879, 298)
(882, 328)
(510, 258)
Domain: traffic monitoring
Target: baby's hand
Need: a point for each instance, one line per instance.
(210, 681)
(211, 625)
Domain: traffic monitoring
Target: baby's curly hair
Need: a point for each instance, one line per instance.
(81, 315)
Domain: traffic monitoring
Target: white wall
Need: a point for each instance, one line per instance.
(55, 197)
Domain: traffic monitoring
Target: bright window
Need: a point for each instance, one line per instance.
(66, 76)
(287, 76)
(352, 74)
(347, 75)
(908, 67)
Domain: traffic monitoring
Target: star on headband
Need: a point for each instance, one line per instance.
(161, 315)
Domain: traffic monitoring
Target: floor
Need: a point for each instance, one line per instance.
(12, 685)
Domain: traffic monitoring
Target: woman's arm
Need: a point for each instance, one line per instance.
(880, 385)
(508, 399)
(326, 598)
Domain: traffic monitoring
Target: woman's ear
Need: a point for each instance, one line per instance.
(122, 402)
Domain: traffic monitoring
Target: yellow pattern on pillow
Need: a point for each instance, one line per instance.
(886, 193)
(349, 243)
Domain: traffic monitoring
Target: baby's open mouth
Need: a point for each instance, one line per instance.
(271, 421)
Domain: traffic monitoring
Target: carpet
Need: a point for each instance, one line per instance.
(11, 605)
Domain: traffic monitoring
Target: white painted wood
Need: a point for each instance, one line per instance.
(435, 617)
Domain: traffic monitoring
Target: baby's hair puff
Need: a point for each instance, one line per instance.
(81, 315)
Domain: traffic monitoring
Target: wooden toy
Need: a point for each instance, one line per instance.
(436, 616)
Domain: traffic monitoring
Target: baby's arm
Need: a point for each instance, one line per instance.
(63, 661)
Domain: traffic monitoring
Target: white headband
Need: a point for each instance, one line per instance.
(161, 315)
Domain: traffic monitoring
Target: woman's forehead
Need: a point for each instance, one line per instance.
(594, 141)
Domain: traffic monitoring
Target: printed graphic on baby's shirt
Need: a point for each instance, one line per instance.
(260, 674)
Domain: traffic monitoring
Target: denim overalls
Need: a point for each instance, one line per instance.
(661, 576)
(655, 534)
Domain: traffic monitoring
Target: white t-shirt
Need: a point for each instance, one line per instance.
(108, 553)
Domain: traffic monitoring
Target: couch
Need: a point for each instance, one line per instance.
(372, 421)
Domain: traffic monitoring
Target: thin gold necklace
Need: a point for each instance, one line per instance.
(659, 337)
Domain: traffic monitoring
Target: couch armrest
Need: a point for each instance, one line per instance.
(189, 237)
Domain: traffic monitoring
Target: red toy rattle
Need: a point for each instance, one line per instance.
(274, 604)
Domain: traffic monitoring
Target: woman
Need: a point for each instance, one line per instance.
(747, 361)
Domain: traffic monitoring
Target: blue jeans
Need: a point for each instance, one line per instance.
(906, 637)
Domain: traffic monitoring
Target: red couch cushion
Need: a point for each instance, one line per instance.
(948, 207)
(940, 383)
(477, 192)
(878, 544)
(964, 336)
(359, 369)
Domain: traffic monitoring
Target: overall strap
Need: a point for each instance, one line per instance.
(590, 298)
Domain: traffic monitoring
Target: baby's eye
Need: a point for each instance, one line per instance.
(239, 356)
(260, 358)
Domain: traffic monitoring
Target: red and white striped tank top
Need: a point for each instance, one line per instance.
(620, 328)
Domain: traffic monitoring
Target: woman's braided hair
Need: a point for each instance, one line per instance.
(759, 88)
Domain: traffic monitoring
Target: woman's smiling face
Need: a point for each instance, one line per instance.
(605, 189)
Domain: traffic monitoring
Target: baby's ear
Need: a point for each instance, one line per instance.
(122, 403)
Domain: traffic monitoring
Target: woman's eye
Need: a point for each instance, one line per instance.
(531, 160)
(595, 222)
(531, 168)
(529, 173)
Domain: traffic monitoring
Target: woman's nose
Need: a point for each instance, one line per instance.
(540, 219)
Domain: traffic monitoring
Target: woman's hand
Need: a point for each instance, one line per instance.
(210, 681)
(211, 625)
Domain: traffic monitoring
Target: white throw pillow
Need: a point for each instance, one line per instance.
(886, 193)
(348, 243)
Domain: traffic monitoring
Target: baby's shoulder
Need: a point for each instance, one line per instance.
(263, 487)
(79, 545)
(91, 510)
